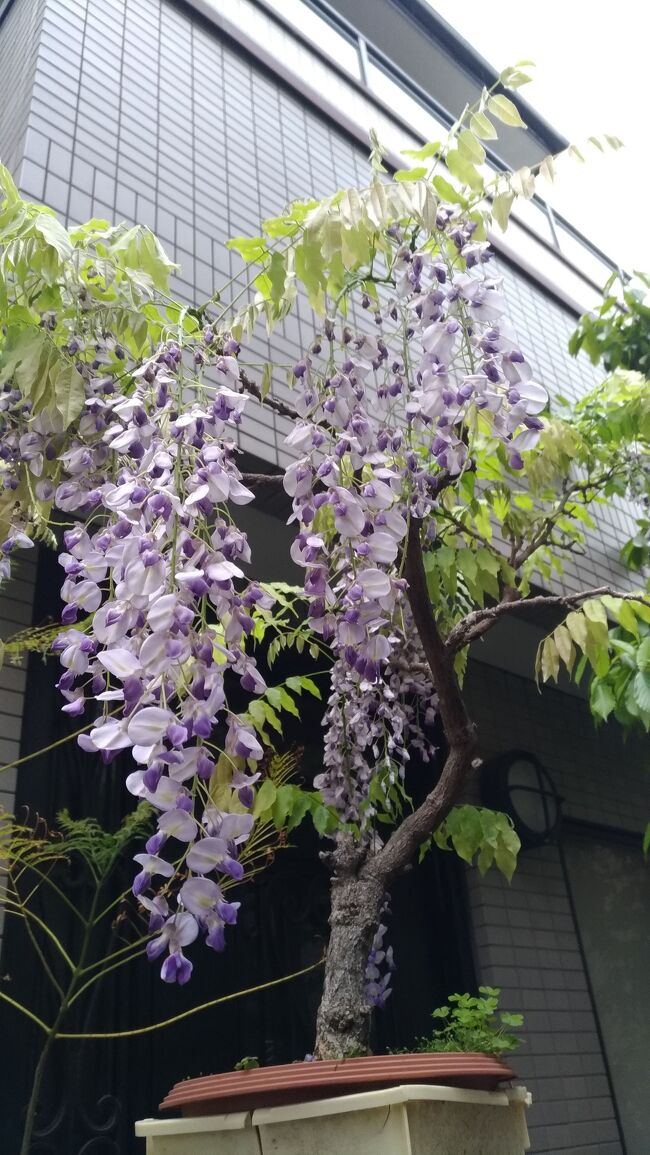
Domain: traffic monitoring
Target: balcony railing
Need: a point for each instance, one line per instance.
(350, 53)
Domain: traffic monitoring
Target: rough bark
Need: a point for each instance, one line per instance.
(344, 1015)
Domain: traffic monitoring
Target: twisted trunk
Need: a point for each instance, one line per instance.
(344, 1015)
(361, 880)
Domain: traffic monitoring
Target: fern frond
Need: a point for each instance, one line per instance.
(100, 848)
(282, 767)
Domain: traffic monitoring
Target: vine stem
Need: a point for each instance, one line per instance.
(53, 1032)
(37, 1082)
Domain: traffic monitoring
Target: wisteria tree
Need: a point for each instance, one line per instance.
(434, 490)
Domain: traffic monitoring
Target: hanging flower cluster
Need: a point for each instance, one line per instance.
(372, 727)
(379, 969)
(161, 576)
(382, 414)
(157, 604)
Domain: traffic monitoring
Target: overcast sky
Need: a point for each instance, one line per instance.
(591, 78)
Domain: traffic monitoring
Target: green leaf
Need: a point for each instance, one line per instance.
(464, 171)
(595, 611)
(447, 190)
(267, 376)
(550, 662)
(601, 700)
(425, 153)
(476, 831)
(482, 126)
(322, 819)
(575, 152)
(627, 618)
(505, 111)
(21, 357)
(643, 656)
(303, 682)
(300, 807)
(646, 840)
(264, 798)
(522, 182)
(271, 716)
(576, 624)
(11, 194)
(642, 691)
(278, 279)
(310, 269)
(597, 648)
(69, 392)
(250, 248)
(54, 235)
(154, 259)
(513, 77)
(287, 703)
(283, 804)
(260, 713)
(467, 564)
(565, 648)
(501, 206)
(410, 174)
(471, 147)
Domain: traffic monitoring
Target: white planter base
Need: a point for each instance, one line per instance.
(408, 1120)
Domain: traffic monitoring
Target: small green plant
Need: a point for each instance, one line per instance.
(472, 1023)
(248, 1063)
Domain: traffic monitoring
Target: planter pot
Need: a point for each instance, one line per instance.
(388, 1105)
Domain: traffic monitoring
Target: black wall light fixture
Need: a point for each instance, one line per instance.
(518, 784)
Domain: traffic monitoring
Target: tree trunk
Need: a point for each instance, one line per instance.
(344, 1015)
(360, 880)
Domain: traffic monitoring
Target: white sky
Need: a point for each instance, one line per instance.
(592, 77)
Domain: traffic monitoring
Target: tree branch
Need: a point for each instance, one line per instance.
(460, 731)
(544, 532)
(477, 623)
(271, 402)
(262, 481)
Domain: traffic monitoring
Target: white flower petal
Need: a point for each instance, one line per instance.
(110, 735)
(375, 583)
(120, 662)
(147, 726)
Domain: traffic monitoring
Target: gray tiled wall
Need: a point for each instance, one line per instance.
(544, 326)
(524, 934)
(141, 111)
(19, 50)
(526, 945)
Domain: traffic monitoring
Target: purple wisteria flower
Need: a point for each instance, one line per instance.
(379, 970)
(158, 610)
(377, 427)
(161, 579)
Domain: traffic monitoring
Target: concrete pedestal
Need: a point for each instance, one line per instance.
(407, 1120)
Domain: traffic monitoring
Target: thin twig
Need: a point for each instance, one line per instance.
(477, 623)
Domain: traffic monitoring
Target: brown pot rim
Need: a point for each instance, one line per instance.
(323, 1079)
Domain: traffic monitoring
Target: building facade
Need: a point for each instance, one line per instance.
(201, 118)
